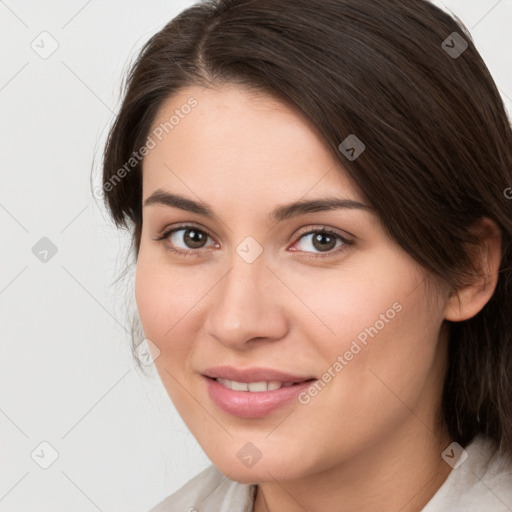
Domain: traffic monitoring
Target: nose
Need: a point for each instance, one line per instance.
(248, 305)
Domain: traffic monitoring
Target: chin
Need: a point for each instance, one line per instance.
(262, 471)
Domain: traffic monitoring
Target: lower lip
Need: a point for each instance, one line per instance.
(250, 404)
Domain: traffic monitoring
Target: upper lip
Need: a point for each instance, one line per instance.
(252, 374)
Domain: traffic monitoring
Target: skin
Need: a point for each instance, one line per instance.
(370, 439)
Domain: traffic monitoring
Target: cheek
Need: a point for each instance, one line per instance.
(152, 299)
(164, 295)
(170, 302)
(165, 300)
(372, 321)
(340, 303)
(375, 369)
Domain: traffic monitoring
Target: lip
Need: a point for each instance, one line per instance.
(246, 404)
(256, 374)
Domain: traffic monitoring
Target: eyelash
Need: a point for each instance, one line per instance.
(162, 236)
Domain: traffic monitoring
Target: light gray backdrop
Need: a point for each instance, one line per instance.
(81, 428)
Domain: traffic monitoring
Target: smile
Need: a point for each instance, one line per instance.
(253, 399)
(255, 387)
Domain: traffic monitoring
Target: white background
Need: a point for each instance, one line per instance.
(66, 369)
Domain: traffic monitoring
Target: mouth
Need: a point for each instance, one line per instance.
(251, 400)
(256, 375)
(258, 387)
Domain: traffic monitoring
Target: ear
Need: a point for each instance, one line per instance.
(467, 301)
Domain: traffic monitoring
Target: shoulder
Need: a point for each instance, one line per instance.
(483, 482)
(209, 491)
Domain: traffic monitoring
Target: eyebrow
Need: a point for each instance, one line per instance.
(281, 213)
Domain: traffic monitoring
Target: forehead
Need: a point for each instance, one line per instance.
(236, 141)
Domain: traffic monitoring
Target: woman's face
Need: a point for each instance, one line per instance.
(268, 292)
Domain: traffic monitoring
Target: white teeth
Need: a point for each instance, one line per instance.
(254, 387)
(257, 386)
(239, 386)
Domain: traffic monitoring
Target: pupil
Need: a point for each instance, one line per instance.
(324, 241)
(194, 239)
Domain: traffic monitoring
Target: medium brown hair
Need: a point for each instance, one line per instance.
(438, 144)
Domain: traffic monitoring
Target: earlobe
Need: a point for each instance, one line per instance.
(467, 301)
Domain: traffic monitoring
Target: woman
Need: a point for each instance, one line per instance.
(317, 192)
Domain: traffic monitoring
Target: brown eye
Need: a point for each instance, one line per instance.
(321, 241)
(186, 238)
(194, 239)
(324, 241)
